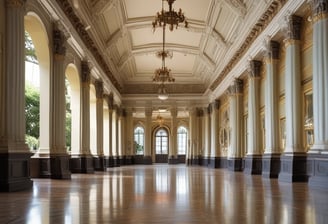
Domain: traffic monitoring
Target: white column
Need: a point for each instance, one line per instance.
(99, 117)
(13, 81)
(235, 149)
(147, 150)
(129, 132)
(293, 94)
(215, 146)
(193, 147)
(121, 133)
(254, 109)
(57, 99)
(85, 109)
(115, 132)
(173, 153)
(320, 74)
(207, 132)
(110, 137)
(272, 100)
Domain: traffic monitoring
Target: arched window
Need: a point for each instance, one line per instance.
(161, 141)
(182, 140)
(139, 135)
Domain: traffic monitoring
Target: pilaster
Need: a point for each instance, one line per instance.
(235, 150)
(147, 156)
(253, 160)
(173, 154)
(206, 116)
(59, 158)
(115, 136)
(271, 157)
(318, 155)
(129, 136)
(293, 161)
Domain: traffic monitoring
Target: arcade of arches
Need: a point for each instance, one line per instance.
(264, 115)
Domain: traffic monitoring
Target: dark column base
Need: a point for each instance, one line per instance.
(195, 161)
(235, 164)
(109, 161)
(147, 160)
(122, 160)
(138, 159)
(188, 162)
(173, 160)
(128, 160)
(81, 164)
(217, 162)
(293, 167)
(99, 163)
(15, 172)
(60, 166)
(270, 165)
(318, 170)
(40, 167)
(182, 159)
(116, 161)
(205, 161)
(253, 165)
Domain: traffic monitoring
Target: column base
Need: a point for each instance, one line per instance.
(188, 162)
(40, 166)
(138, 159)
(270, 165)
(173, 160)
(128, 160)
(195, 161)
(147, 160)
(318, 170)
(235, 164)
(81, 164)
(15, 172)
(59, 165)
(293, 167)
(116, 161)
(253, 165)
(205, 161)
(109, 161)
(122, 160)
(99, 163)
(217, 162)
(182, 159)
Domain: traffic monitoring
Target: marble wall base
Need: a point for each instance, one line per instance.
(293, 167)
(40, 166)
(108, 161)
(116, 161)
(217, 162)
(15, 172)
(59, 165)
(138, 159)
(99, 163)
(173, 160)
(205, 161)
(128, 160)
(147, 160)
(317, 170)
(253, 165)
(270, 165)
(235, 164)
(81, 164)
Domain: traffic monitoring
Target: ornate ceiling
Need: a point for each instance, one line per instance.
(125, 45)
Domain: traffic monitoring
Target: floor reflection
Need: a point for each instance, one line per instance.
(165, 194)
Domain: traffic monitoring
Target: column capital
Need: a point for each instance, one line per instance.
(236, 87)
(254, 69)
(319, 9)
(215, 105)
(99, 89)
(59, 40)
(272, 50)
(293, 26)
(85, 72)
(15, 3)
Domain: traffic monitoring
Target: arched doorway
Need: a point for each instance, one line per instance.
(161, 140)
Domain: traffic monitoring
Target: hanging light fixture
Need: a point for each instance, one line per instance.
(162, 93)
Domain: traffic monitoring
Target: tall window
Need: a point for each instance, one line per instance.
(182, 140)
(139, 135)
(161, 141)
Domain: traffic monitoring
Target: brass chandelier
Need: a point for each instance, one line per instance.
(162, 19)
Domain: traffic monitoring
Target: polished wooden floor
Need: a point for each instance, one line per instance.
(165, 194)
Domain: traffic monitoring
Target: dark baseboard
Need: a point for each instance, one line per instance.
(173, 160)
(59, 165)
(293, 167)
(217, 162)
(116, 161)
(270, 165)
(317, 169)
(99, 163)
(40, 167)
(235, 164)
(147, 160)
(81, 164)
(15, 172)
(108, 161)
(128, 160)
(253, 165)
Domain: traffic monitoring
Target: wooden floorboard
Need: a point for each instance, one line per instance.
(165, 194)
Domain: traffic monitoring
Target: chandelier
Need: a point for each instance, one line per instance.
(162, 93)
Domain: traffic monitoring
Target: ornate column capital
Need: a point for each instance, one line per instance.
(85, 72)
(236, 88)
(319, 9)
(59, 40)
(272, 50)
(15, 3)
(99, 89)
(215, 105)
(254, 69)
(293, 29)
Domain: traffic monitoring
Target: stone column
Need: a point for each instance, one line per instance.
(83, 163)
(173, 151)
(253, 160)
(59, 159)
(194, 152)
(129, 137)
(121, 137)
(110, 102)
(207, 136)
(14, 153)
(115, 136)
(217, 161)
(271, 157)
(147, 152)
(318, 155)
(235, 150)
(293, 161)
(99, 158)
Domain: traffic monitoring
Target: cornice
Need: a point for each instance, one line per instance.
(80, 29)
(257, 29)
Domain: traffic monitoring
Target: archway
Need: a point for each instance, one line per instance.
(161, 145)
